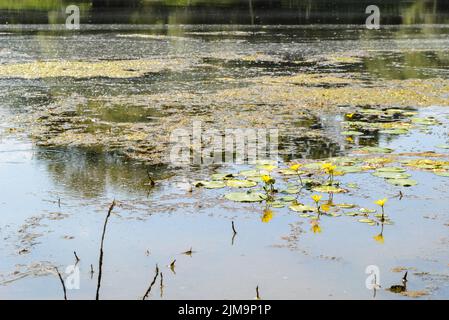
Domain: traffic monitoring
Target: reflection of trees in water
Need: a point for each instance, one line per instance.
(90, 172)
(231, 11)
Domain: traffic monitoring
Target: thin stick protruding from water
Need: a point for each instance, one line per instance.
(233, 228)
(63, 284)
(152, 283)
(100, 260)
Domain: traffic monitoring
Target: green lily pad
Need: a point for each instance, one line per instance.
(277, 204)
(302, 208)
(305, 215)
(352, 185)
(234, 183)
(368, 221)
(210, 184)
(253, 173)
(366, 210)
(376, 150)
(442, 173)
(391, 169)
(346, 205)
(442, 146)
(402, 182)
(290, 172)
(287, 198)
(352, 133)
(392, 175)
(425, 121)
(334, 215)
(221, 176)
(329, 189)
(265, 162)
(394, 131)
(291, 191)
(246, 196)
(351, 214)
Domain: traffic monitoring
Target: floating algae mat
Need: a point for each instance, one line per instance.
(88, 69)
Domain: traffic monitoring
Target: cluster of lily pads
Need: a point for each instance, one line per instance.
(391, 121)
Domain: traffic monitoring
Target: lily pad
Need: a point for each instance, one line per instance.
(368, 221)
(210, 184)
(329, 189)
(302, 208)
(442, 173)
(221, 176)
(246, 196)
(376, 150)
(346, 205)
(234, 183)
(253, 173)
(352, 133)
(366, 210)
(403, 182)
(442, 146)
(394, 131)
(392, 175)
(277, 204)
(291, 191)
(290, 172)
(287, 198)
(391, 169)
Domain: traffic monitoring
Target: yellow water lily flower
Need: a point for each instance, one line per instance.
(295, 167)
(349, 115)
(379, 238)
(381, 202)
(316, 198)
(267, 179)
(325, 207)
(329, 168)
(349, 139)
(267, 216)
(316, 227)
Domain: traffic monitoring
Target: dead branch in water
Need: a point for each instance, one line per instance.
(100, 261)
(76, 257)
(162, 285)
(63, 284)
(152, 283)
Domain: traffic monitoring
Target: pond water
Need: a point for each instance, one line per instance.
(71, 144)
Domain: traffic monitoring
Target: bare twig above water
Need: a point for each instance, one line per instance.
(76, 257)
(63, 284)
(172, 266)
(152, 283)
(100, 261)
(234, 233)
(257, 293)
(188, 252)
(162, 285)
